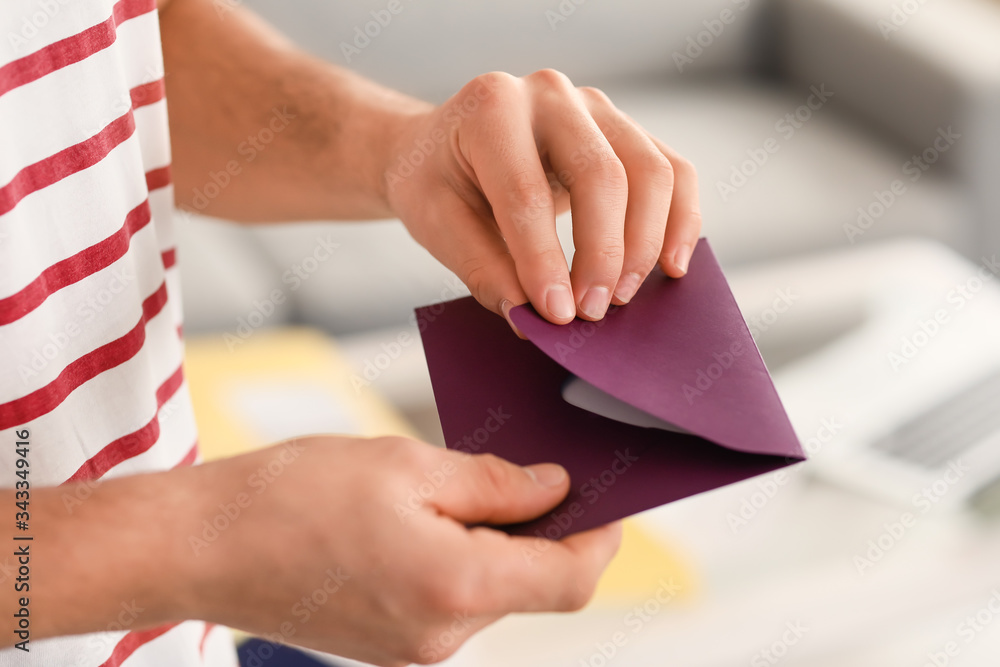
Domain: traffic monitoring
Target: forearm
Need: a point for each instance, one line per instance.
(94, 555)
(304, 541)
(262, 132)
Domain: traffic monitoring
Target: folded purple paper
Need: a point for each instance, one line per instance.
(680, 351)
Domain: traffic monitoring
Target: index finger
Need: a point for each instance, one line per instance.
(501, 151)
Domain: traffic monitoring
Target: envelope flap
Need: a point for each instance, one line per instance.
(681, 351)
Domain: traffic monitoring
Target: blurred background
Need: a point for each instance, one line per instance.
(848, 154)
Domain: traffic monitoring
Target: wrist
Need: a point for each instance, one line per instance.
(392, 142)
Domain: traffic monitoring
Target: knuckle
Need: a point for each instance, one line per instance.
(611, 171)
(495, 475)
(595, 95)
(648, 252)
(494, 81)
(453, 591)
(684, 167)
(617, 123)
(655, 164)
(695, 219)
(530, 201)
(405, 453)
(476, 273)
(611, 253)
(488, 92)
(606, 254)
(550, 262)
(551, 78)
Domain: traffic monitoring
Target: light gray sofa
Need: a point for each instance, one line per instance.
(713, 78)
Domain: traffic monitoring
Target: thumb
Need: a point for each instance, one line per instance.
(488, 489)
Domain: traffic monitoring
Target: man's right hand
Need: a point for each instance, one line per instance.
(351, 546)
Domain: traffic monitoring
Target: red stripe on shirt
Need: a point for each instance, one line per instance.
(47, 398)
(147, 93)
(135, 443)
(66, 162)
(190, 457)
(72, 49)
(169, 257)
(75, 268)
(204, 635)
(131, 642)
(158, 178)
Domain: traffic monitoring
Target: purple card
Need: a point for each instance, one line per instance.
(679, 353)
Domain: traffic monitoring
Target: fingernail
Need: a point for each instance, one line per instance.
(681, 258)
(505, 307)
(628, 285)
(559, 301)
(595, 302)
(547, 474)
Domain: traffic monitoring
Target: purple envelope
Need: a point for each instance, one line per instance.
(680, 351)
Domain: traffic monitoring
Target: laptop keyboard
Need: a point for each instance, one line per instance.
(944, 432)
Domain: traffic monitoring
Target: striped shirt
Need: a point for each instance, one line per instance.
(90, 317)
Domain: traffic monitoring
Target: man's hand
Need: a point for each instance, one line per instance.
(479, 180)
(356, 547)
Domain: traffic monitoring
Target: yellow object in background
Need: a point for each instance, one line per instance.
(278, 384)
(282, 383)
(644, 566)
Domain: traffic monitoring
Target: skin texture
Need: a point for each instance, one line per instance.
(495, 164)
(505, 155)
(347, 516)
